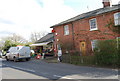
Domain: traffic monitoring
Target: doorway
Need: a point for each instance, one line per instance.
(83, 48)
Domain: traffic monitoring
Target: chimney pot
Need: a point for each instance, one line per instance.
(106, 3)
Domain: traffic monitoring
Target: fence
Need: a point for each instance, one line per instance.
(106, 54)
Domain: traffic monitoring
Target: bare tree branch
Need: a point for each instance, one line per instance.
(37, 35)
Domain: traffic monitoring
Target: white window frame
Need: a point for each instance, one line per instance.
(66, 30)
(117, 18)
(95, 22)
(93, 44)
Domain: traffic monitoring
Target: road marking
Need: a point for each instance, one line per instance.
(4, 64)
(57, 76)
(62, 77)
(115, 69)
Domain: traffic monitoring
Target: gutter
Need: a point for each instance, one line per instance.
(104, 10)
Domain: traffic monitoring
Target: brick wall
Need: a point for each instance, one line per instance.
(81, 32)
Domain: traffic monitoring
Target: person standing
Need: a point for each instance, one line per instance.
(59, 55)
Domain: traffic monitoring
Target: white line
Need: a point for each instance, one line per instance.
(57, 76)
(4, 64)
(62, 77)
(67, 78)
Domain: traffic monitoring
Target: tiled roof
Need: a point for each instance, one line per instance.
(89, 14)
(47, 38)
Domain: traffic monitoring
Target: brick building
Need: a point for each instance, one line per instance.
(81, 32)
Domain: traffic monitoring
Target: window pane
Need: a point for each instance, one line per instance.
(93, 42)
(119, 21)
(93, 24)
(117, 18)
(66, 30)
(116, 22)
(118, 15)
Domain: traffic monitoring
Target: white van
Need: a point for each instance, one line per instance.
(18, 53)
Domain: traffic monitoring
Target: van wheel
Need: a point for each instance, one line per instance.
(27, 59)
(23, 60)
(14, 59)
(7, 59)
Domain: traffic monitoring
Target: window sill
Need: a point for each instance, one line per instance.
(93, 29)
(65, 35)
(117, 25)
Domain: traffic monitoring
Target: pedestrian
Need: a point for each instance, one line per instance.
(59, 55)
(43, 54)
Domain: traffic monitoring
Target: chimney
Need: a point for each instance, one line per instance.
(106, 3)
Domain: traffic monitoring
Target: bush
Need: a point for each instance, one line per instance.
(75, 58)
(106, 53)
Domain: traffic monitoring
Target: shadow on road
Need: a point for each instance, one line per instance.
(57, 71)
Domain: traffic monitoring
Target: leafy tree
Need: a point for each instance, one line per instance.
(13, 40)
(8, 44)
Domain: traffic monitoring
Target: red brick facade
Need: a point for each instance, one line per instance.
(79, 31)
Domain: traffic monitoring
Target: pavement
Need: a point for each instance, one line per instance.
(39, 69)
(10, 73)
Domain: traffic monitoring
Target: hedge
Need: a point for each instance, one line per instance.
(106, 53)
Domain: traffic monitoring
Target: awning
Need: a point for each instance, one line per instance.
(40, 44)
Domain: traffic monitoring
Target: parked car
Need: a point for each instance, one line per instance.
(18, 53)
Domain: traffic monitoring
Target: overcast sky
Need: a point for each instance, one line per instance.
(25, 16)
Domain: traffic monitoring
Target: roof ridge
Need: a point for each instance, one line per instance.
(85, 15)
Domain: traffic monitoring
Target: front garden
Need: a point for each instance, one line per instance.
(106, 54)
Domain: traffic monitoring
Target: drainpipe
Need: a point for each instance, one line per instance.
(73, 35)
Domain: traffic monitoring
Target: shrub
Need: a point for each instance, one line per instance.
(106, 53)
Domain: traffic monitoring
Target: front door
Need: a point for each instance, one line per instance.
(83, 48)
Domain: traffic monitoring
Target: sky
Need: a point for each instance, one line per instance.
(25, 16)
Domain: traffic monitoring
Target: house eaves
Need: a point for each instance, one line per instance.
(89, 14)
(48, 37)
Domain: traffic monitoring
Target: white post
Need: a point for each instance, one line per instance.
(117, 42)
(43, 55)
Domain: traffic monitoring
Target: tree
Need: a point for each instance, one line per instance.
(1, 44)
(17, 39)
(14, 40)
(8, 44)
(37, 35)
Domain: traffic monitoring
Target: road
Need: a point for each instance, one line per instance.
(38, 69)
